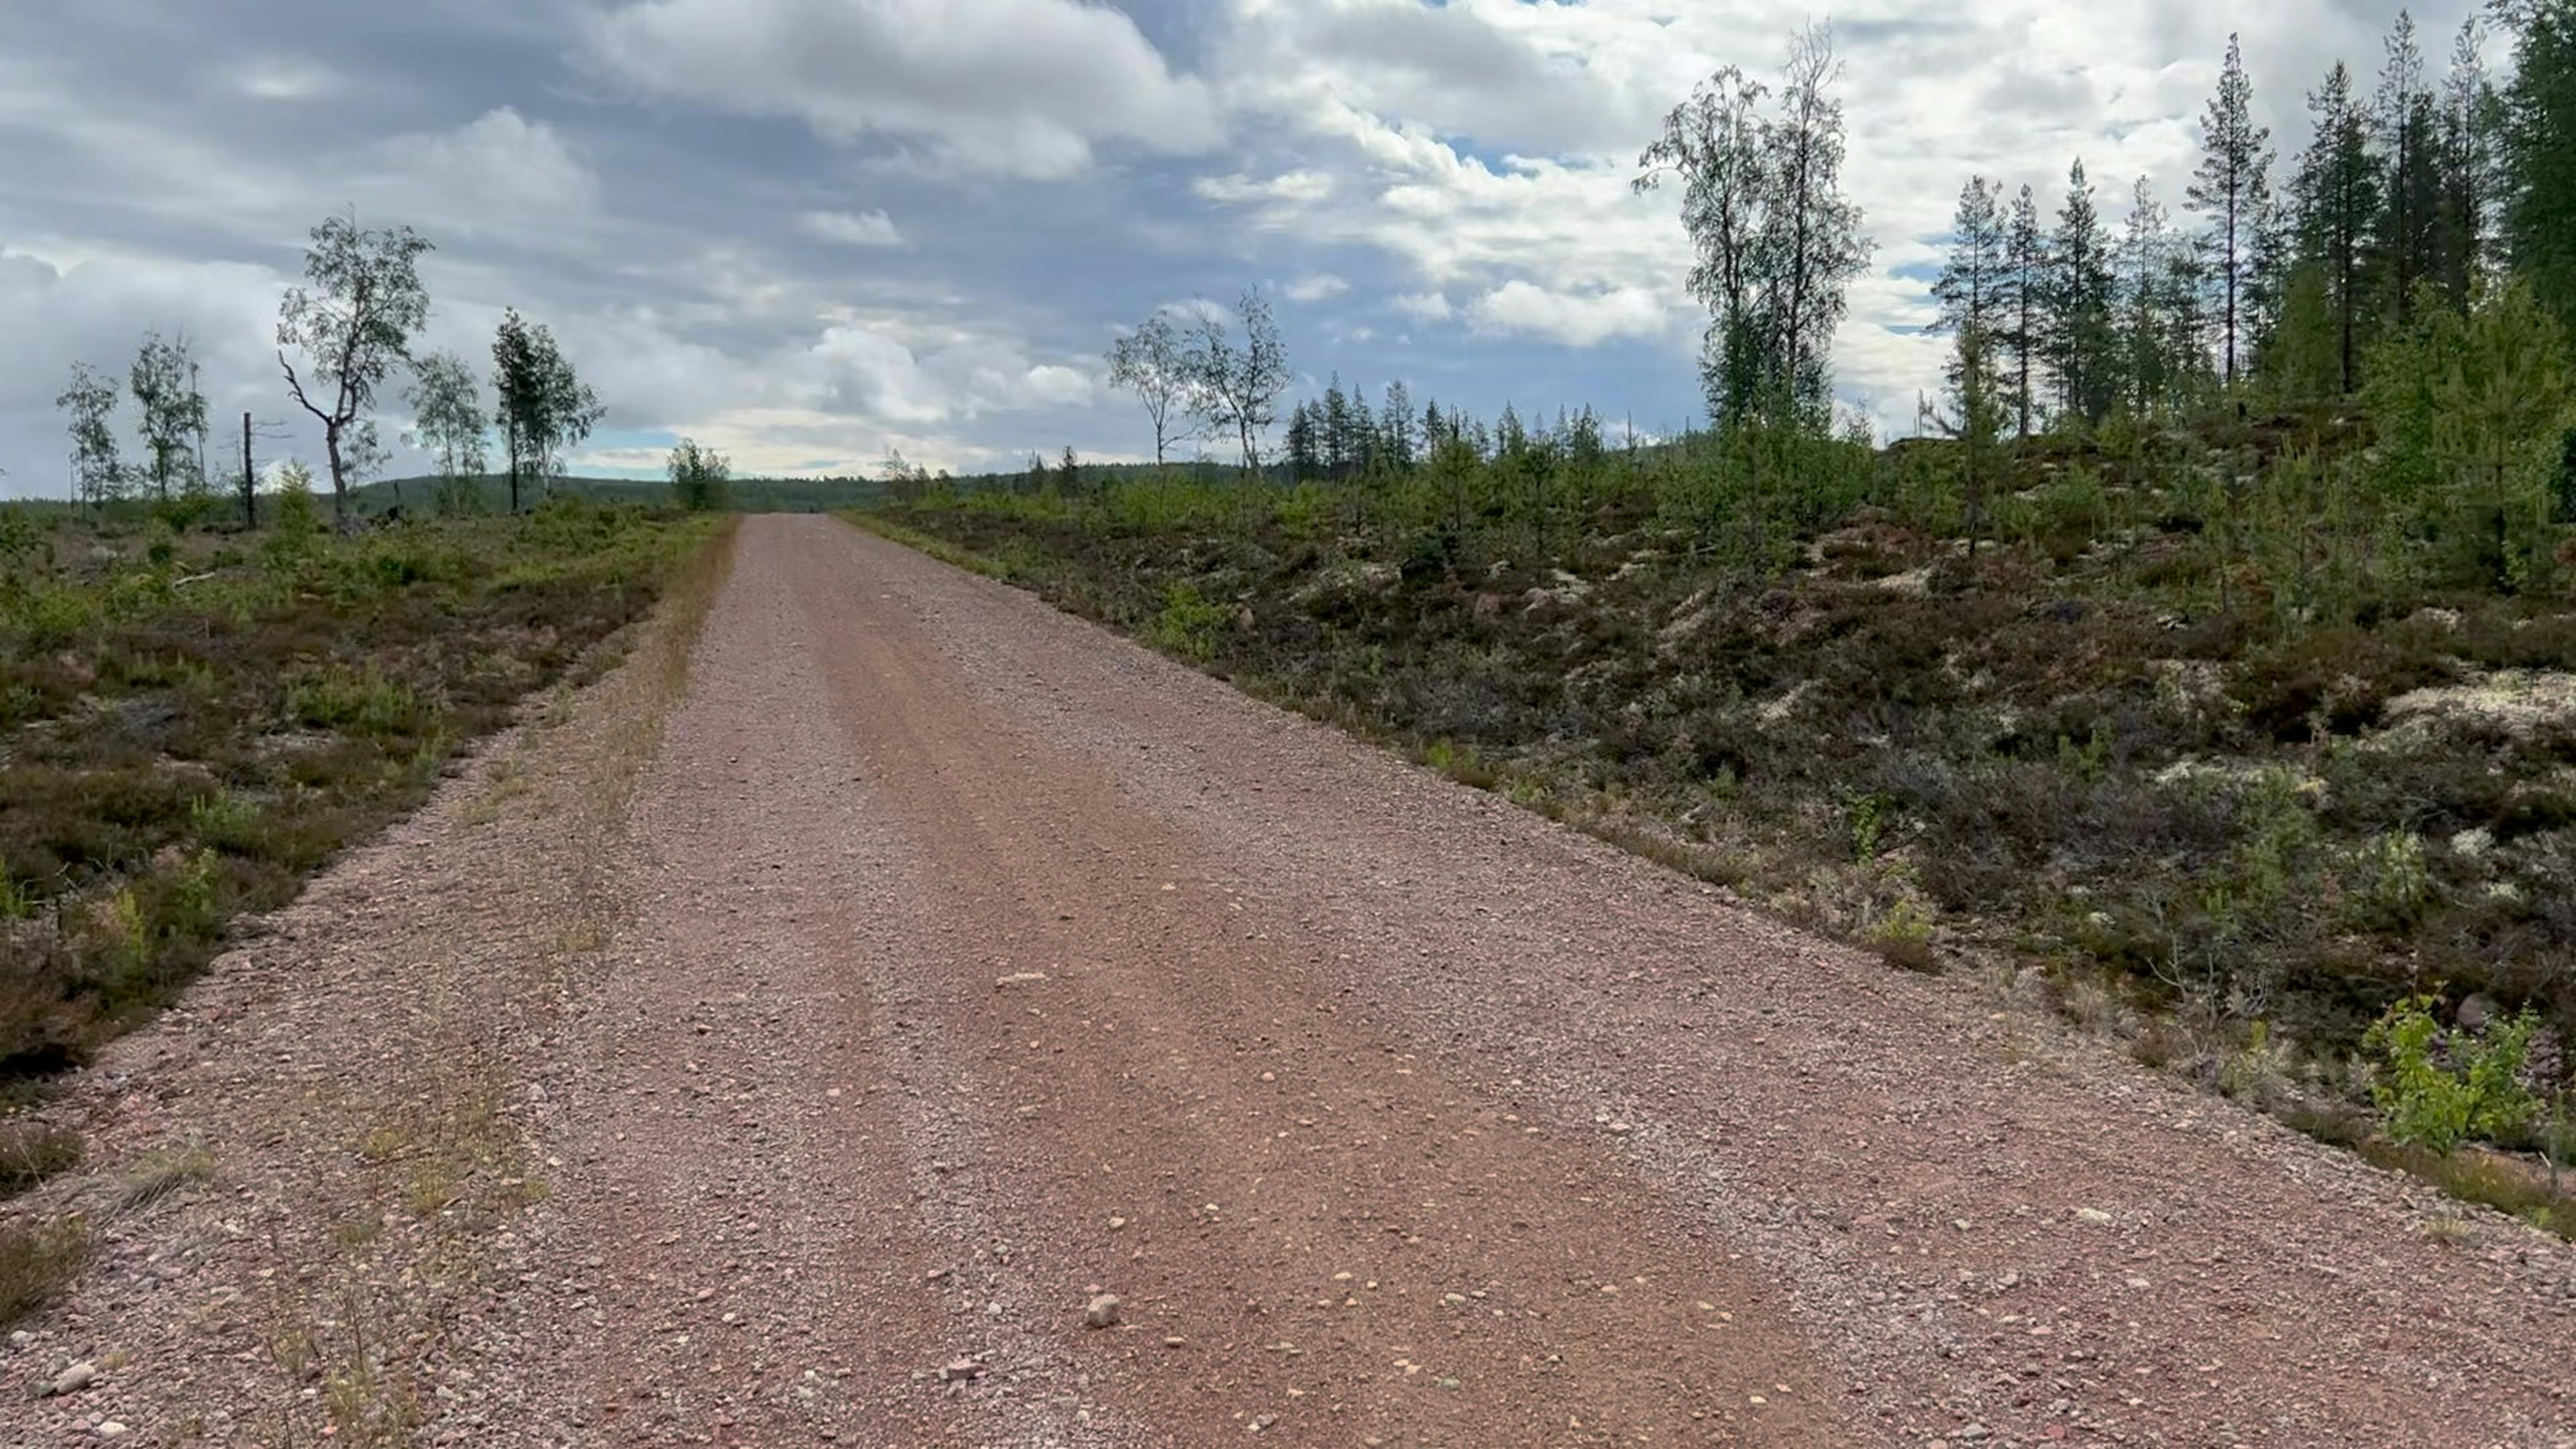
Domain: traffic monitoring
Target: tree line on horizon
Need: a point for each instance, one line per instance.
(2429, 192)
(2426, 193)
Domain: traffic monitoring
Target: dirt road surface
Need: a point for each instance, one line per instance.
(793, 1051)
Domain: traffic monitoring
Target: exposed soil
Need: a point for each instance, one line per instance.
(728, 1064)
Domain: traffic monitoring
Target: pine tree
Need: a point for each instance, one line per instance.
(1337, 448)
(2405, 239)
(2187, 328)
(2232, 187)
(1978, 424)
(2078, 327)
(2465, 220)
(2267, 280)
(2338, 196)
(2146, 302)
(2302, 362)
(2025, 295)
(2540, 140)
(1971, 288)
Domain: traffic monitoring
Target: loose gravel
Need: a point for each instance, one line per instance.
(945, 1023)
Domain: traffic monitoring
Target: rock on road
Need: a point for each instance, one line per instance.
(969, 964)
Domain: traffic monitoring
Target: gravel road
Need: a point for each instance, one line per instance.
(803, 1055)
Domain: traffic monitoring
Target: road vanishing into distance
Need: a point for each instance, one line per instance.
(809, 1047)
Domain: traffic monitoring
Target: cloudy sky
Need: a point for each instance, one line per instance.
(805, 231)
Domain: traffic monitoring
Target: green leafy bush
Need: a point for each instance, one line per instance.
(1189, 624)
(2438, 1089)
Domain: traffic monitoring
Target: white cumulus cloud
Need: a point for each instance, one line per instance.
(1316, 287)
(854, 228)
(1575, 319)
(500, 168)
(1019, 87)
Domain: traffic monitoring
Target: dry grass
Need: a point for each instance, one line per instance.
(30, 1152)
(2508, 1184)
(37, 1261)
(172, 759)
(894, 530)
(163, 1173)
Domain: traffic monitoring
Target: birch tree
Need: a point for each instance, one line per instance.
(1236, 389)
(1777, 242)
(88, 403)
(544, 410)
(173, 411)
(1152, 363)
(354, 322)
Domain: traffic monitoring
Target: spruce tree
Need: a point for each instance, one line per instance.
(2077, 328)
(1977, 422)
(2232, 188)
(1337, 449)
(1302, 461)
(2267, 280)
(2187, 327)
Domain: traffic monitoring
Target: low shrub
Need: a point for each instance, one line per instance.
(2441, 1088)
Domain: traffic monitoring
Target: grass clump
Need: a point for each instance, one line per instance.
(32, 1151)
(1904, 938)
(163, 1173)
(38, 1260)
